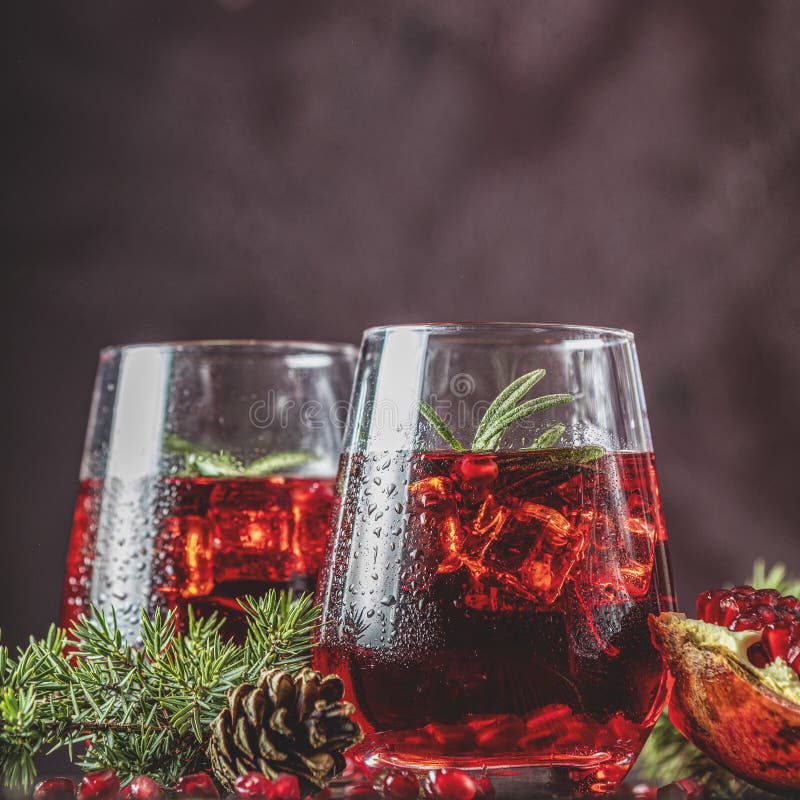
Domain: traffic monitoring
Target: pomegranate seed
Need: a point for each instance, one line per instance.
(704, 602)
(401, 785)
(100, 785)
(254, 785)
(757, 655)
(142, 788)
(198, 785)
(767, 597)
(286, 787)
(355, 770)
(502, 735)
(54, 789)
(363, 791)
(485, 789)
(790, 602)
(747, 590)
(451, 738)
(475, 469)
(776, 640)
(749, 621)
(450, 784)
(766, 614)
(729, 609)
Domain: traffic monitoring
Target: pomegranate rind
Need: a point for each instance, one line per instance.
(719, 704)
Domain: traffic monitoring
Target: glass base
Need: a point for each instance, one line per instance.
(555, 777)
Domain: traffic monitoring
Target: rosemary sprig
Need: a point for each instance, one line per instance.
(221, 464)
(668, 756)
(502, 412)
(139, 711)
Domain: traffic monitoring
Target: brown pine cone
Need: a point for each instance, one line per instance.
(296, 725)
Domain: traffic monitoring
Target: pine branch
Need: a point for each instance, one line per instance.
(139, 711)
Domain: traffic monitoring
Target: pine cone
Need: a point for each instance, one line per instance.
(296, 725)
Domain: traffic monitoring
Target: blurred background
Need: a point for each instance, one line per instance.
(201, 169)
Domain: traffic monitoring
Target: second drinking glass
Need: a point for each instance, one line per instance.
(498, 547)
(207, 475)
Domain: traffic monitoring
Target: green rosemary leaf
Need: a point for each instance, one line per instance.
(490, 437)
(209, 464)
(277, 462)
(439, 425)
(547, 439)
(508, 398)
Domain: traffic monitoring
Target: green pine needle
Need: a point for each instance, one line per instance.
(142, 710)
(668, 756)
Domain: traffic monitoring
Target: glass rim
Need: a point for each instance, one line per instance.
(277, 346)
(607, 333)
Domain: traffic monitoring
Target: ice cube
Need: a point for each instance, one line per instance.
(524, 547)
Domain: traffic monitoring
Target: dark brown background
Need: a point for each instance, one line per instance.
(297, 169)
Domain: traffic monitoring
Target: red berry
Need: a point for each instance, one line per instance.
(198, 786)
(362, 791)
(749, 621)
(100, 785)
(401, 785)
(450, 784)
(54, 789)
(286, 787)
(254, 785)
(142, 788)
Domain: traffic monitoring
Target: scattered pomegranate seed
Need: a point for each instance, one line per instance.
(254, 785)
(54, 789)
(286, 787)
(401, 785)
(450, 784)
(100, 785)
(142, 788)
(198, 786)
(362, 791)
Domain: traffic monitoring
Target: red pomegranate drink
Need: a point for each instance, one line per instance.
(490, 609)
(216, 540)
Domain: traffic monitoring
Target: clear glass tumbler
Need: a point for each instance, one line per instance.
(207, 475)
(498, 545)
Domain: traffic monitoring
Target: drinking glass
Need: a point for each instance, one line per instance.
(207, 474)
(494, 556)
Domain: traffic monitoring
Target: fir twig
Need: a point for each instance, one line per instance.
(139, 711)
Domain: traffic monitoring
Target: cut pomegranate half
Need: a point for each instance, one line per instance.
(721, 703)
